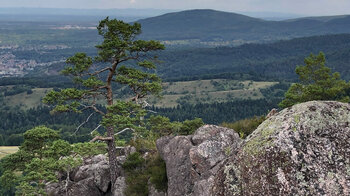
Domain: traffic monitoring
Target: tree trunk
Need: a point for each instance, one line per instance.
(112, 155)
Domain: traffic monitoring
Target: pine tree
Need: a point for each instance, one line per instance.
(95, 78)
(317, 82)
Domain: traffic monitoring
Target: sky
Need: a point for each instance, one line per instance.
(301, 7)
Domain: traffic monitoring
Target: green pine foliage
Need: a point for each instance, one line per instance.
(316, 82)
(38, 160)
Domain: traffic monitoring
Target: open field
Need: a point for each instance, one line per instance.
(209, 91)
(174, 93)
(26, 101)
(6, 150)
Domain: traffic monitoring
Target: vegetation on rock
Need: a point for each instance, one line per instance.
(27, 171)
(246, 126)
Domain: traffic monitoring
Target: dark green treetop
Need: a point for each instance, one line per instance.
(317, 82)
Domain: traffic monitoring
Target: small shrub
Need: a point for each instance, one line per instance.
(134, 161)
(157, 172)
(246, 126)
(140, 171)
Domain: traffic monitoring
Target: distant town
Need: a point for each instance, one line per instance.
(11, 65)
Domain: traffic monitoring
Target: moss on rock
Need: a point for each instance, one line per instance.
(304, 150)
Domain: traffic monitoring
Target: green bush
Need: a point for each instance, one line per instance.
(136, 177)
(157, 173)
(246, 126)
(140, 171)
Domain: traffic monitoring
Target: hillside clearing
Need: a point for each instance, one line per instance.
(6, 150)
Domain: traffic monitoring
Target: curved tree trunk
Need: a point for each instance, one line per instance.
(112, 155)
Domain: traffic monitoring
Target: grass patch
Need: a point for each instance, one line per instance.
(6, 150)
(27, 101)
(209, 91)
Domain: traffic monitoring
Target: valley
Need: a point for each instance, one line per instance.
(215, 63)
(173, 102)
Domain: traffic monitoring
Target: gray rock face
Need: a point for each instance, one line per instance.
(120, 187)
(92, 178)
(303, 150)
(175, 153)
(96, 172)
(193, 161)
(152, 191)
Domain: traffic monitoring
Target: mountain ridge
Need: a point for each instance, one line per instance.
(213, 25)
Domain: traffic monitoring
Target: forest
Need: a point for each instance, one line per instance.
(105, 98)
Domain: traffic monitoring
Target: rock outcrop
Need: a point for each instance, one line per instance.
(303, 150)
(193, 161)
(92, 178)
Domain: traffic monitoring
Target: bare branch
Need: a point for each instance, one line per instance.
(100, 138)
(145, 104)
(87, 120)
(95, 129)
(124, 131)
(152, 111)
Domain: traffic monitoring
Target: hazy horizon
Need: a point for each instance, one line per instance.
(296, 7)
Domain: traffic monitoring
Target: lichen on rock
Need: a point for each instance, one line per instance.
(304, 150)
(193, 161)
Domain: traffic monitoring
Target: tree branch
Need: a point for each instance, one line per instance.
(87, 120)
(95, 128)
(99, 71)
(124, 131)
(100, 138)
(92, 107)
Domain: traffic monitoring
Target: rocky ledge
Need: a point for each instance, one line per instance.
(92, 178)
(302, 150)
(193, 161)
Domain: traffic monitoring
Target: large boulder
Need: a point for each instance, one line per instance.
(193, 161)
(175, 153)
(92, 178)
(303, 150)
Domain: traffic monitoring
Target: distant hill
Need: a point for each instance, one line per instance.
(77, 15)
(211, 25)
(274, 60)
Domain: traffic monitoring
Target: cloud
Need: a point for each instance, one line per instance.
(132, 1)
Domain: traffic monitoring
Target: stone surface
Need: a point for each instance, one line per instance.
(192, 161)
(175, 153)
(92, 178)
(152, 191)
(120, 187)
(97, 171)
(303, 150)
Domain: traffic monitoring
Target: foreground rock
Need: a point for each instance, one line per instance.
(91, 179)
(303, 150)
(193, 161)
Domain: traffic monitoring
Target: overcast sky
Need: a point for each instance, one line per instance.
(303, 7)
